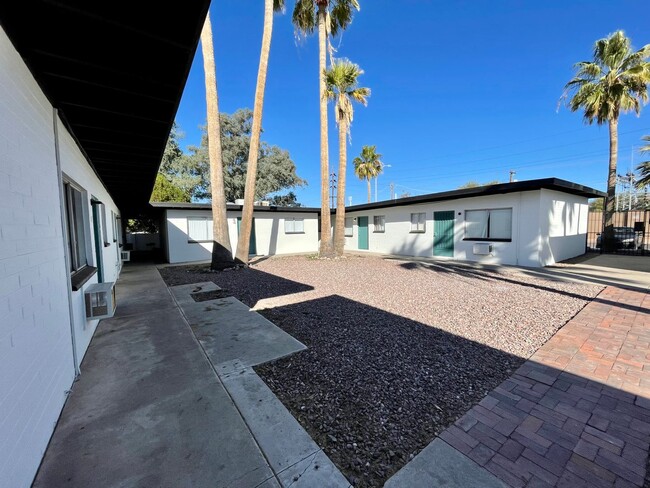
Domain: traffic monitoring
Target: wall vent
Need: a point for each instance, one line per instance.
(482, 249)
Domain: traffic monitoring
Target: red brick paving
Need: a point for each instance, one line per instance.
(577, 413)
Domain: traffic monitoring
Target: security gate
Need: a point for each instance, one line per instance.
(631, 232)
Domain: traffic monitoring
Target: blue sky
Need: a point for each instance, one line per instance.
(460, 90)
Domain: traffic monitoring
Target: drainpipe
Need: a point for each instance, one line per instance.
(66, 244)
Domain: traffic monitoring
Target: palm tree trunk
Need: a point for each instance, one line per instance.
(221, 250)
(339, 226)
(243, 241)
(369, 191)
(325, 226)
(608, 241)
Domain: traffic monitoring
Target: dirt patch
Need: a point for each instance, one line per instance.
(397, 350)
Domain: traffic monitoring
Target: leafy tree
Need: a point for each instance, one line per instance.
(288, 200)
(221, 251)
(614, 82)
(176, 167)
(329, 17)
(342, 85)
(596, 205)
(275, 169)
(166, 191)
(644, 167)
(251, 174)
(476, 184)
(368, 165)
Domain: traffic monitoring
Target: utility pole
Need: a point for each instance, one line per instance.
(512, 175)
(349, 201)
(392, 190)
(332, 189)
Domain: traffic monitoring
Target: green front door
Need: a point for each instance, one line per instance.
(362, 223)
(252, 248)
(443, 233)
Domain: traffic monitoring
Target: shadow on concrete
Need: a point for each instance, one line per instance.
(248, 284)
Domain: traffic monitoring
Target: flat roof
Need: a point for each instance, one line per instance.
(230, 206)
(556, 184)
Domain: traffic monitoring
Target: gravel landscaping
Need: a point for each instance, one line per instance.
(397, 350)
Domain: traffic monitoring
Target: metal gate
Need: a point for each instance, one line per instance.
(631, 232)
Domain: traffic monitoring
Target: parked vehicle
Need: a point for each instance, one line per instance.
(625, 237)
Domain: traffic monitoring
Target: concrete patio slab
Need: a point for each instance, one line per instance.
(148, 409)
(228, 330)
(285, 443)
(439, 465)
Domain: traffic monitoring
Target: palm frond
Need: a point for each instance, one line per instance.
(278, 6)
(341, 14)
(304, 16)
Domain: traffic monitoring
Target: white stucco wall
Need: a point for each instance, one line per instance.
(563, 220)
(397, 239)
(547, 226)
(269, 234)
(36, 361)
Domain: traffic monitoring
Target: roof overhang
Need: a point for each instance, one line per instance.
(116, 72)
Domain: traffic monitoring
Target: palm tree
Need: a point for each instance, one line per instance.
(221, 250)
(330, 17)
(644, 167)
(253, 154)
(368, 165)
(342, 85)
(614, 82)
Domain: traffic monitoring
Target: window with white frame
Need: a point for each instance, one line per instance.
(294, 225)
(379, 222)
(75, 226)
(349, 222)
(488, 224)
(199, 229)
(102, 211)
(418, 222)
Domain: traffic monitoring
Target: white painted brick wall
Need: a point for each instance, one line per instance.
(36, 365)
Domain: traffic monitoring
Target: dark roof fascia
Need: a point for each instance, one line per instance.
(498, 189)
(230, 206)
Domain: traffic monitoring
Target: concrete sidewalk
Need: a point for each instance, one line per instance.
(150, 410)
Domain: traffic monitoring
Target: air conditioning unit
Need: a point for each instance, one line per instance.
(482, 249)
(125, 255)
(100, 300)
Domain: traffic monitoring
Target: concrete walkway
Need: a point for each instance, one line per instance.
(150, 410)
(577, 414)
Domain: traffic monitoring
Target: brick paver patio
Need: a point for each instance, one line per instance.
(577, 413)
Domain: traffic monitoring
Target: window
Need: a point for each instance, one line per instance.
(102, 211)
(492, 224)
(418, 222)
(348, 227)
(74, 214)
(380, 223)
(294, 226)
(199, 229)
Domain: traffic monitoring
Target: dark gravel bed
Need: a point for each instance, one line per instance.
(397, 350)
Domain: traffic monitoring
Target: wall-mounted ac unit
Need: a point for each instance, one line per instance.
(125, 255)
(100, 300)
(482, 249)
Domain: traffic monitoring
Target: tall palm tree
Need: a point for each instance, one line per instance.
(644, 167)
(614, 82)
(342, 85)
(253, 154)
(221, 250)
(330, 17)
(368, 166)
